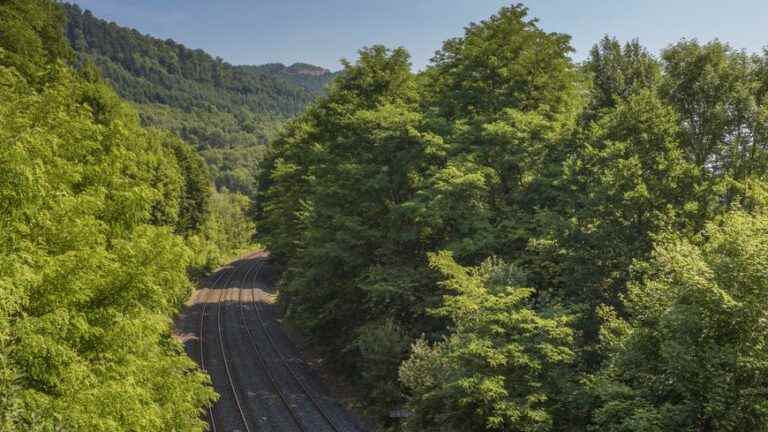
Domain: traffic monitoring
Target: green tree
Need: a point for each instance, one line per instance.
(195, 200)
(499, 368)
(506, 61)
(628, 181)
(91, 267)
(618, 72)
(692, 354)
(341, 205)
(507, 97)
(30, 36)
(715, 90)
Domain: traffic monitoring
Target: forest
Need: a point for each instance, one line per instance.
(228, 113)
(512, 241)
(109, 217)
(508, 240)
(102, 221)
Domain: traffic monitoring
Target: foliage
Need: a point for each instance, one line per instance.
(628, 180)
(694, 355)
(227, 231)
(92, 260)
(619, 71)
(30, 36)
(498, 368)
(573, 176)
(227, 112)
(381, 345)
(341, 204)
(501, 63)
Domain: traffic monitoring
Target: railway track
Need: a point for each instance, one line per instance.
(305, 390)
(260, 390)
(231, 384)
(201, 338)
(260, 355)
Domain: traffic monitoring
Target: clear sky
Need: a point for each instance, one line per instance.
(323, 31)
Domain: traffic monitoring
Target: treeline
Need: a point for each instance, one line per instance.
(164, 71)
(312, 78)
(101, 220)
(227, 112)
(509, 241)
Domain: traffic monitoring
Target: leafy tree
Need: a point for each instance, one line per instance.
(619, 71)
(230, 220)
(628, 181)
(285, 188)
(341, 202)
(714, 89)
(194, 207)
(30, 36)
(499, 367)
(91, 267)
(506, 95)
(692, 356)
(503, 62)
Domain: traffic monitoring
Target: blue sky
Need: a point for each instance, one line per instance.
(323, 31)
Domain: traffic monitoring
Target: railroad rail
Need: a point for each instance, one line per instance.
(226, 362)
(266, 362)
(262, 360)
(284, 362)
(219, 332)
(211, 420)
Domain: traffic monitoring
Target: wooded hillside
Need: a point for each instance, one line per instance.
(531, 244)
(101, 220)
(227, 112)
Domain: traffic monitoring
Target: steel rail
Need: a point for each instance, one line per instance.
(211, 419)
(284, 362)
(230, 381)
(224, 357)
(262, 358)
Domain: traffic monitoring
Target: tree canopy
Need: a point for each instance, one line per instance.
(227, 112)
(531, 244)
(93, 250)
(505, 241)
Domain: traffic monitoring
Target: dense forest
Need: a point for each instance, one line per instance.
(101, 221)
(227, 112)
(506, 241)
(510, 241)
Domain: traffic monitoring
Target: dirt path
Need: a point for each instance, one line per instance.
(263, 381)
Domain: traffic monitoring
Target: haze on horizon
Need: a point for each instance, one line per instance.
(321, 33)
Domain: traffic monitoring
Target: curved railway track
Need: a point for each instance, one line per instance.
(201, 338)
(284, 362)
(222, 350)
(260, 389)
(260, 355)
(226, 361)
(306, 393)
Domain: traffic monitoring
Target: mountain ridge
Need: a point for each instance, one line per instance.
(228, 112)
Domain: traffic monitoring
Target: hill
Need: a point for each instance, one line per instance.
(309, 77)
(227, 112)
